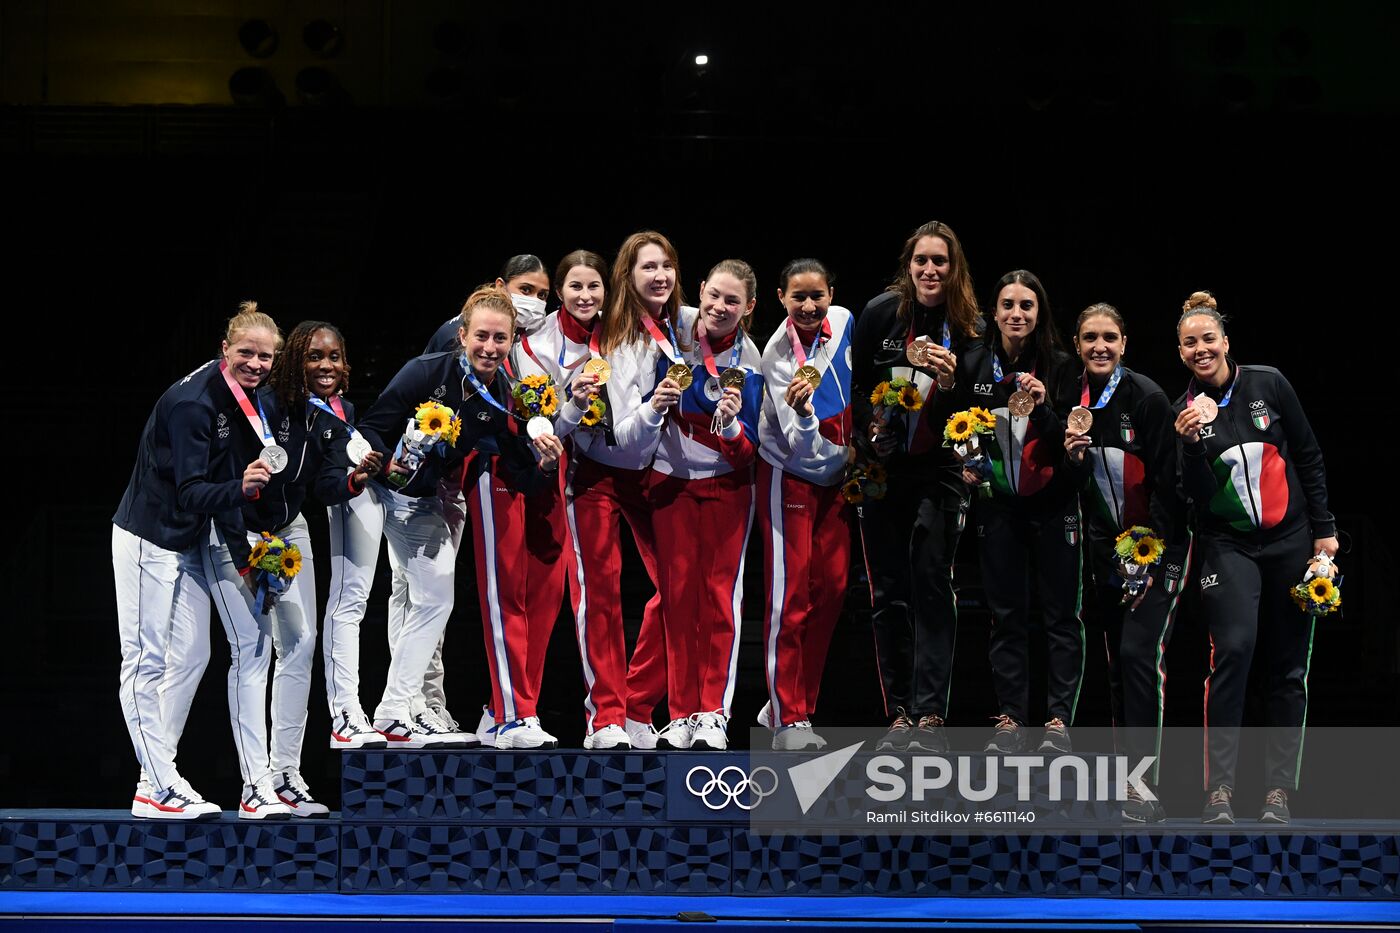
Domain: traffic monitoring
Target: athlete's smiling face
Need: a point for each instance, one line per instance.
(1203, 346)
(486, 339)
(929, 269)
(325, 364)
(582, 293)
(653, 276)
(1100, 343)
(249, 357)
(807, 299)
(724, 302)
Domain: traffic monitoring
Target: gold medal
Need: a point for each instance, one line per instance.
(917, 351)
(732, 378)
(809, 375)
(1021, 403)
(1080, 420)
(1207, 407)
(598, 367)
(679, 373)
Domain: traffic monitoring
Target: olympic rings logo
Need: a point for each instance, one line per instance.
(742, 790)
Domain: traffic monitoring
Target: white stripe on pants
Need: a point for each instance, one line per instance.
(423, 536)
(292, 625)
(163, 625)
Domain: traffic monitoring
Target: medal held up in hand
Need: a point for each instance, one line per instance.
(1080, 420)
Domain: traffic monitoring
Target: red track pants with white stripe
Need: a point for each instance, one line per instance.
(595, 498)
(518, 543)
(806, 532)
(702, 527)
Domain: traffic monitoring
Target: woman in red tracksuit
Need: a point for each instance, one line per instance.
(518, 610)
(702, 496)
(805, 521)
(613, 445)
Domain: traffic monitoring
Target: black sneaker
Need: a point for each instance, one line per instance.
(1218, 809)
(1056, 737)
(929, 735)
(1138, 809)
(1007, 738)
(1275, 807)
(897, 739)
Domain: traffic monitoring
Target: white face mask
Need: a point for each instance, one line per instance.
(529, 312)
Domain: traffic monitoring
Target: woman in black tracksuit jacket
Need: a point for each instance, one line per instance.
(911, 535)
(315, 444)
(1258, 492)
(1031, 517)
(1126, 464)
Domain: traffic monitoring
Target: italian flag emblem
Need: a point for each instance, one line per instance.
(1260, 418)
(1127, 433)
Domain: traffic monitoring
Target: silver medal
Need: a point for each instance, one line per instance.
(358, 449)
(538, 427)
(275, 458)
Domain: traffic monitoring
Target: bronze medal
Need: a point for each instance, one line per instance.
(1080, 420)
(732, 378)
(1021, 403)
(600, 368)
(918, 351)
(809, 375)
(1207, 407)
(680, 374)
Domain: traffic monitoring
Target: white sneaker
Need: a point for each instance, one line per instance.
(260, 802)
(180, 801)
(607, 737)
(351, 729)
(141, 800)
(797, 736)
(400, 734)
(708, 732)
(486, 728)
(675, 734)
(448, 720)
(525, 733)
(439, 733)
(765, 716)
(640, 734)
(292, 790)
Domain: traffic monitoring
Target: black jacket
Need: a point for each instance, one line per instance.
(1257, 471)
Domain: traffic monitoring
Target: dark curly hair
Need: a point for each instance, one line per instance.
(288, 376)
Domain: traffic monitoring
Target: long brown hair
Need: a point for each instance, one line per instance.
(623, 307)
(960, 303)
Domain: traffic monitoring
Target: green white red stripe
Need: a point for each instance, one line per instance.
(1253, 484)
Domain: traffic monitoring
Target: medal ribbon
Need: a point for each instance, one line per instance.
(481, 390)
(563, 341)
(997, 373)
(334, 408)
(256, 418)
(1107, 392)
(823, 334)
(709, 355)
(667, 347)
(947, 337)
(1224, 399)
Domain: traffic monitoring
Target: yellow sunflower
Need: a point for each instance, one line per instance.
(549, 401)
(877, 395)
(1147, 550)
(982, 418)
(1320, 590)
(910, 399)
(959, 427)
(259, 552)
(434, 418)
(291, 562)
(453, 431)
(851, 490)
(594, 415)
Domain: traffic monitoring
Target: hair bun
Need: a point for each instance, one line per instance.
(1200, 300)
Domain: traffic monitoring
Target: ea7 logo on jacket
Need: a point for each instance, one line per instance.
(1207, 431)
(1259, 414)
(982, 388)
(892, 344)
(1209, 580)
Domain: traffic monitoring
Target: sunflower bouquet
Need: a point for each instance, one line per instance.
(964, 433)
(432, 423)
(1318, 594)
(1138, 549)
(897, 393)
(536, 397)
(864, 481)
(594, 416)
(276, 563)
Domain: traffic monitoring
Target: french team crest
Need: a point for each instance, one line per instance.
(1259, 414)
(1125, 430)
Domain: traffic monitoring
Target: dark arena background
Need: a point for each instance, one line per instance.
(369, 162)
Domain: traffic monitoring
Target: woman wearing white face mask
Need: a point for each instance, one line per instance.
(526, 281)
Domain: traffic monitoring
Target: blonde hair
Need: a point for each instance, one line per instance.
(491, 297)
(250, 318)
